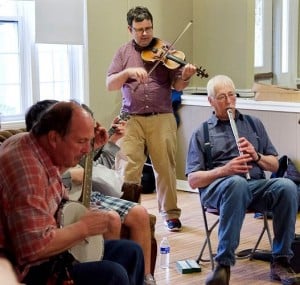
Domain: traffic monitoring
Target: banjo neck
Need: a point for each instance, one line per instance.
(88, 166)
(87, 178)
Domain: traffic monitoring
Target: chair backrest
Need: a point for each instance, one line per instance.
(5, 134)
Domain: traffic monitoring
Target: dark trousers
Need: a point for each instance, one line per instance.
(123, 263)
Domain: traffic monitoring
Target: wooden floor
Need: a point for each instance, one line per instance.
(186, 245)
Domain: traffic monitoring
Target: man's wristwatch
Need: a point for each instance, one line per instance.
(258, 157)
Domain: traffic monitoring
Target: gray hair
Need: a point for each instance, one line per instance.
(216, 82)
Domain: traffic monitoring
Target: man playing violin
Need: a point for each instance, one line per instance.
(146, 96)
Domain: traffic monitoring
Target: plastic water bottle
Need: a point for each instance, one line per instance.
(164, 253)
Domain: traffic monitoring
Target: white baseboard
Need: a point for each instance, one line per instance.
(183, 185)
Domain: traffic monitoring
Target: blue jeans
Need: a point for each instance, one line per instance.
(123, 263)
(233, 195)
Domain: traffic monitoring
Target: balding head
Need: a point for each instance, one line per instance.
(58, 118)
(65, 132)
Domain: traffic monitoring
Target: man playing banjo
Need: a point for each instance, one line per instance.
(134, 216)
(30, 194)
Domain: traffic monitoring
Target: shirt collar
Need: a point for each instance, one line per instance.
(215, 121)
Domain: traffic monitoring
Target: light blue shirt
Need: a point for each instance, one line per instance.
(223, 145)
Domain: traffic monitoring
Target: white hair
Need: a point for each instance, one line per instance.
(216, 82)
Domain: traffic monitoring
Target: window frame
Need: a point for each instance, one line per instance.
(29, 67)
(272, 46)
(267, 23)
(288, 78)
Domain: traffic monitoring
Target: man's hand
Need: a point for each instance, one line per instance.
(238, 165)
(101, 136)
(95, 222)
(119, 127)
(77, 174)
(247, 148)
(138, 73)
(188, 71)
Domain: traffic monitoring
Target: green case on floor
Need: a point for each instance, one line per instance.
(187, 266)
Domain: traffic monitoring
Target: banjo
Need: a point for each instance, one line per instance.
(91, 248)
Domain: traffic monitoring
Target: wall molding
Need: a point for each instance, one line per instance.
(244, 103)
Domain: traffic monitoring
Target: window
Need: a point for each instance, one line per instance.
(263, 36)
(10, 81)
(276, 40)
(286, 44)
(57, 70)
(30, 72)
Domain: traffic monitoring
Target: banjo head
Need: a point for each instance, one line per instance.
(90, 249)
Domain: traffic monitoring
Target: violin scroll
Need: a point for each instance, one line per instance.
(201, 72)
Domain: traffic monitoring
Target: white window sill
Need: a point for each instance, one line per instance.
(12, 125)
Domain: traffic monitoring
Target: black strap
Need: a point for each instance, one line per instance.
(207, 146)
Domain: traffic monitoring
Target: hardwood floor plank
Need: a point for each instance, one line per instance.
(186, 245)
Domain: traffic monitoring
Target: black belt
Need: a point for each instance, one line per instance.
(146, 114)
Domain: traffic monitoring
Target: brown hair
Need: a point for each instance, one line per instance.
(56, 118)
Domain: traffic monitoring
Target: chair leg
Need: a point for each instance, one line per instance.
(266, 228)
(208, 231)
(249, 253)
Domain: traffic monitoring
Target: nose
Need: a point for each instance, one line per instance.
(87, 147)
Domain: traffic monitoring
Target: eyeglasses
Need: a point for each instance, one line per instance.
(222, 96)
(143, 30)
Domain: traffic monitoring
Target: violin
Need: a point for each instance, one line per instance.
(172, 59)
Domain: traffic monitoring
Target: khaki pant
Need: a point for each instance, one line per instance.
(154, 135)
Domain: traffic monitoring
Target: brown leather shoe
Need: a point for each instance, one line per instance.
(282, 271)
(220, 276)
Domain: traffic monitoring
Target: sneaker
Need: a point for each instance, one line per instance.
(282, 271)
(258, 216)
(261, 216)
(173, 225)
(149, 280)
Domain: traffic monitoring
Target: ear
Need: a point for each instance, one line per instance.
(53, 138)
(212, 102)
(130, 29)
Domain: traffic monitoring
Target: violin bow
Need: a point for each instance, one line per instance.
(172, 44)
